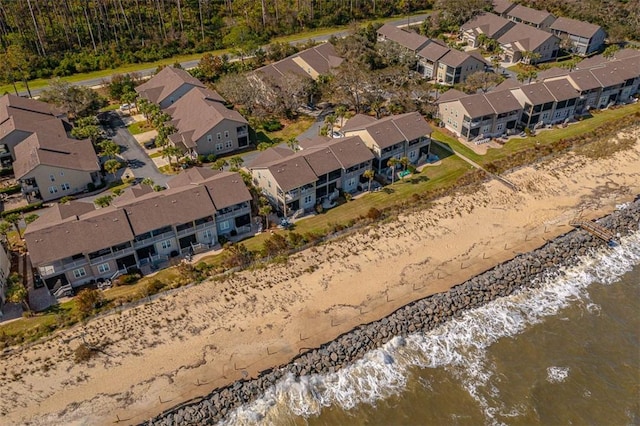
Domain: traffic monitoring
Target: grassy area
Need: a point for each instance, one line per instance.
(402, 194)
(129, 68)
(290, 130)
(110, 107)
(156, 154)
(139, 127)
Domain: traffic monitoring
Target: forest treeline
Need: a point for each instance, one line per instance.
(45, 38)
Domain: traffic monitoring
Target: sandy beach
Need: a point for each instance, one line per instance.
(186, 343)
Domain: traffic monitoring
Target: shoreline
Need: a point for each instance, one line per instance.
(185, 344)
(422, 315)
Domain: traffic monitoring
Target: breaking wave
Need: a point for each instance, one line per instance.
(458, 345)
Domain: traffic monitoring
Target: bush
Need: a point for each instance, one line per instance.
(6, 171)
(153, 287)
(10, 190)
(272, 125)
(87, 301)
(127, 279)
(211, 158)
(374, 214)
(83, 353)
(24, 209)
(91, 187)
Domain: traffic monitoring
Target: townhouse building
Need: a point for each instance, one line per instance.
(410, 41)
(585, 37)
(404, 135)
(48, 168)
(76, 243)
(502, 7)
(521, 39)
(487, 24)
(167, 86)
(481, 116)
(298, 181)
(205, 125)
(535, 18)
(546, 103)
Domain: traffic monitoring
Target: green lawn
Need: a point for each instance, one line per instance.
(139, 127)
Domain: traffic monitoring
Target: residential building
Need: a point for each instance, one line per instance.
(205, 126)
(481, 116)
(405, 135)
(546, 103)
(313, 62)
(408, 40)
(487, 24)
(20, 117)
(166, 87)
(5, 270)
(445, 65)
(295, 182)
(455, 66)
(521, 39)
(49, 168)
(502, 7)
(540, 19)
(76, 243)
(586, 38)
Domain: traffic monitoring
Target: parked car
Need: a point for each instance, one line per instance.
(150, 144)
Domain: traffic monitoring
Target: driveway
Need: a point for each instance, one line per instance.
(133, 153)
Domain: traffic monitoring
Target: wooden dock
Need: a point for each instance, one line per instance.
(595, 230)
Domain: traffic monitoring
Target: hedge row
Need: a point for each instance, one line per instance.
(23, 209)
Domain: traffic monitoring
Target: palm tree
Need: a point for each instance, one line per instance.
(219, 164)
(236, 162)
(109, 148)
(171, 151)
(341, 112)
(369, 175)
(14, 219)
(112, 166)
(103, 201)
(330, 121)
(17, 292)
(292, 143)
(265, 210)
(29, 219)
(393, 163)
(148, 181)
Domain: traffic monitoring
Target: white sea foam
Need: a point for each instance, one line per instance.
(557, 374)
(458, 345)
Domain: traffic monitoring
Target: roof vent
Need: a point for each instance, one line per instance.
(172, 201)
(115, 220)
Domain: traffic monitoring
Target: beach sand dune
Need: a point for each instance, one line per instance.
(184, 344)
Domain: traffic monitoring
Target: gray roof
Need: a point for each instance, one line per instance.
(322, 58)
(584, 80)
(199, 111)
(502, 101)
(537, 93)
(91, 232)
(450, 95)
(357, 122)
(391, 130)
(528, 14)
(293, 172)
(167, 81)
(433, 51)
(409, 39)
(575, 27)
(12, 104)
(502, 6)
(455, 58)
(608, 76)
(529, 38)
(487, 24)
(561, 89)
(62, 152)
(482, 104)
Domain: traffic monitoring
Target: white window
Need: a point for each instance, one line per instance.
(79, 273)
(47, 270)
(412, 155)
(308, 199)
(209, 138)
(207, 234)
(224, 225)
(52, 178)
(65, 186)
(53, 189)
(61, 173)
(165, 244)
(226, 133)
(228, 144)
(499, 126)
(219, 136)
(103, 268)
(219, 147)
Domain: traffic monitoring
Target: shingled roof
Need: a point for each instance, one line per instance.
(163, 84)
(321, 59)
(527, 14)
(409, 39)
(575, 27)
(488, 24)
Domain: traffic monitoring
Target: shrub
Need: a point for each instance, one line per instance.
(374, 214)
(83, 353)
(10, 190)
(272, 125)
(87, 301)
(211, 158)
(127, 279)
(153, 287)
(91, 187)
(23, 209)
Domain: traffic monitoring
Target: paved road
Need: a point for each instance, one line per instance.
(415, 19)
(133, 151)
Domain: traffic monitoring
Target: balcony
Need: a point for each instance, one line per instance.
(231, 214)
(111, 256)
(154, 239)
(197, 228)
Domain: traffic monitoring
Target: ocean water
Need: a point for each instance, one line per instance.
(567, 352)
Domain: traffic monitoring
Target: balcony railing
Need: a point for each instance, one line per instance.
(111, 256)
(196, 229)
(154, 239)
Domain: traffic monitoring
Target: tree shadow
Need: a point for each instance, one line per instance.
(441, 152)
